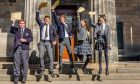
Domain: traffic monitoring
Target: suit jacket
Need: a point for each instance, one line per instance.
(61, 28)
(26, 35)
(107, 31)
(52, 29)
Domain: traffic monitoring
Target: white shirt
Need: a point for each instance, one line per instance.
(103, 26)
(66, 34)
(43, 33)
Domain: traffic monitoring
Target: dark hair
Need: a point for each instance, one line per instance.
(102, 16)
(86, 25)
(47, 17)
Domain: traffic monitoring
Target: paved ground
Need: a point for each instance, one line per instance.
(80, 82)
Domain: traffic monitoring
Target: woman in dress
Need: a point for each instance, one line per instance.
(83, 47)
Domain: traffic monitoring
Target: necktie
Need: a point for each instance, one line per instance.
(46, 32)
(22, 33)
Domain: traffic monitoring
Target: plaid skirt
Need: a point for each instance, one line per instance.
(83, 48)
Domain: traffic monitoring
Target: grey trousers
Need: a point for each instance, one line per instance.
(21, 57)
(65, 42)
(48, 47)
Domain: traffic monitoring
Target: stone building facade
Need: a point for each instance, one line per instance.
(128, 19)
(127, 12)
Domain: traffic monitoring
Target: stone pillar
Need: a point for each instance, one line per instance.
(107, 7)
(29, 16)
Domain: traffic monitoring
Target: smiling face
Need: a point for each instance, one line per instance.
(62, 18)
(22, 24)
(102, 20)
(83, 24)
(47, 20)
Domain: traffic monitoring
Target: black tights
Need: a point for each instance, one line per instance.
(100, 60)
(87, 61)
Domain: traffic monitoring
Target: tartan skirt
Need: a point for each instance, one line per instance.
(83, 48)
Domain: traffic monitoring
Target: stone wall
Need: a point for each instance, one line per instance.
(7, 8)
(107, 7)
(128, 12)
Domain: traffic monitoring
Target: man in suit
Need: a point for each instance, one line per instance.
(48, 37)
(65, 33)
(23, 37)
(102, 35)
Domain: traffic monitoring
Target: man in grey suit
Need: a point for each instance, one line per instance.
(48, 38)
(102, 35)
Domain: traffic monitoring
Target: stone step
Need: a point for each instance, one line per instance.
(127, 70)
(56, 71)
(75, 77)
(9, 65)
(78, 71)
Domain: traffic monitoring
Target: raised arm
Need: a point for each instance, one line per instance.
(56, 18)
(13, 29)
(91, 14)
(92, 24)
(78, 22)
(38, 18)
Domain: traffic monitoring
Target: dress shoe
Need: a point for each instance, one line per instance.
(41, 72)
(107, 72)
(73, 68)
(24, 79)
(16, 79)
(84, 70)
(52, 74)
(100, 72)
(99, 77)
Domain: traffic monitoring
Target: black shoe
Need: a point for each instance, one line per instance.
(41, 72)
(73, 68)
(52, 74)
(100, 72)
(16, 79)
(99, 77)
(24, 79)
(60, 69)
(84, 70)
(107, 72)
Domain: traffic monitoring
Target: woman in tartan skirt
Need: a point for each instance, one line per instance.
(102, 34)
(83, 48)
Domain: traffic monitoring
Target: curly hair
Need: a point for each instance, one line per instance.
(86, 25)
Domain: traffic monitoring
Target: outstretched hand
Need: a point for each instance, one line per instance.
(80, 9)
(91, 13)
(42, 5)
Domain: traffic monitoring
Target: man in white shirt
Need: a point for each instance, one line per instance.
(48, 38)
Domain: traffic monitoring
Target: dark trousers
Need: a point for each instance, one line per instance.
(100, 59)
(21, 57)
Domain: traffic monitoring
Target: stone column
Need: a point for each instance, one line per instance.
(107, 7)
(29, 16)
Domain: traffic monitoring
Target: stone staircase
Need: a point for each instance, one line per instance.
(118, 71)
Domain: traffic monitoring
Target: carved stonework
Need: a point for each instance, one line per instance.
(29, 16)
